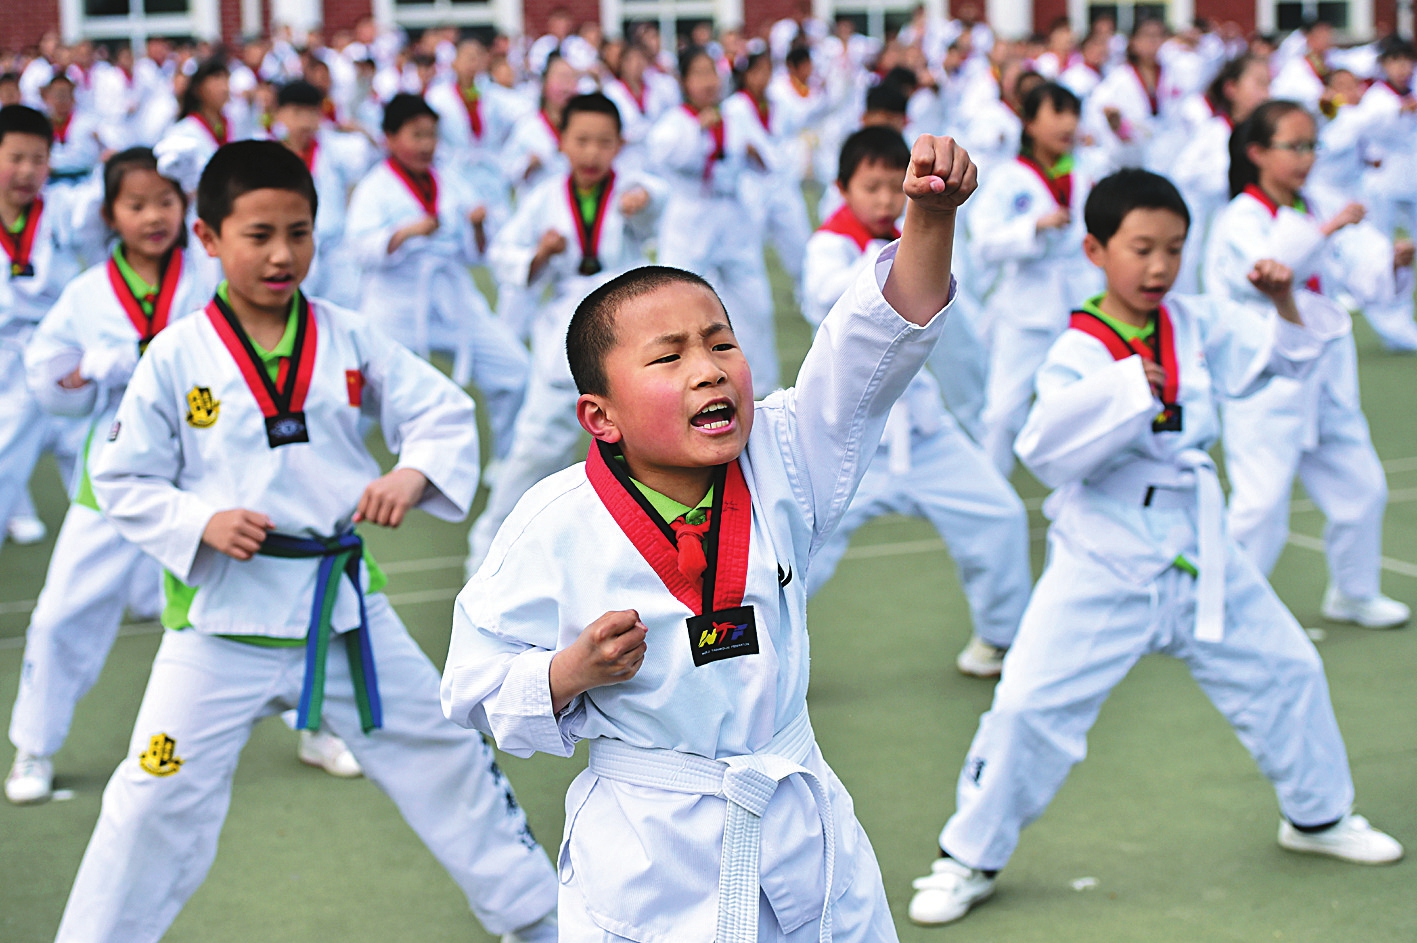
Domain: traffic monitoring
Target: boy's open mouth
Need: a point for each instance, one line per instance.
(714, 417)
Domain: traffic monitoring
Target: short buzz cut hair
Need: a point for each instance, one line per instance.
(22, 119)
(242, 166)
(591, 335)
(593, 103)
(880, 145)
(403, 108)
(1114, 197)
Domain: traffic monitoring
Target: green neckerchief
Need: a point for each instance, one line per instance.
(1129, 332)
(1061, 168)
(285, 348)
(19, 225)
(589, 202)
(471, 95)
(671, 510)
(178, 596)
(144, 292)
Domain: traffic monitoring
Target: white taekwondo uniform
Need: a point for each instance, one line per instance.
(724, 723)
(709, 230)
(472, 132)
(337, 161)
(422, 293)
(35, 265)
(926, 465)
(1312, 427)
(1132, 507)
(638, 113)
(190, 438)
(1028, 307)
(533, 135)
(99, 327)
(1202, 174)
(1152, 130)
(547, 432)
(1390, 132)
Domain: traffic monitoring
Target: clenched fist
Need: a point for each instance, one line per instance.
(609, 650)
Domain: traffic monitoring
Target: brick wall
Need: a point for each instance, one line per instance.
(1048, 12)
(343, 14)
(230, 20)
(760, 15)
(22, 23)
(536, 12)
(1385, 17)
(1222, 11)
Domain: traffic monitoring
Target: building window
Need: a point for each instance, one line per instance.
(135, 20)
(1126, 15)
(877, 19)
(1290, 15)
(422, 14)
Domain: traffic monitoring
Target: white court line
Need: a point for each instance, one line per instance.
(1400, 464)
(1388, 563)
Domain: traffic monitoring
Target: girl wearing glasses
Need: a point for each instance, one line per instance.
(1313, 428)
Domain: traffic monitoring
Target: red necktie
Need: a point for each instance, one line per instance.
(690, 538)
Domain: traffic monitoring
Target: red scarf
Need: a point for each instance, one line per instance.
(845, 223)
(147, 327)
(474, 111)
(555, 133)
(1314, 284)
(761, 109)
(638, 99)
(61, 131)
(220, 139)
(424, 189)
(716, 133)
(1153, 95)
(1060, 187)
(668, 553)
(1164, 353)
(308, 155)
(18, 248)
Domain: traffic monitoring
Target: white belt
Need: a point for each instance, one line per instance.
(1158, 484)
(747, 783)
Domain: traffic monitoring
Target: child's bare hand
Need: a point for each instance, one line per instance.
(72, 380)
(1058, 219)
(1155, 374)
(634, 202)
(478, 216)
(1403, 252)
(941, 176)
(610, 650)
(238, 533)
(552, 243)
(426, 226)
(1350, 215)
(533, 164)
(1114, 118)
(1272, 279)
(387, 499)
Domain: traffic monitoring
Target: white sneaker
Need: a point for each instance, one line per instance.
(323, 749)
(980, 659)
(31, 779)
(948, 892)
(544, 930)
(1377, 612)
(26, 530)
(1352, 839)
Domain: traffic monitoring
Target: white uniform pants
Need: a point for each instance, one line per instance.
(25, 432)
(1084, 629)
(157, 833)
(1016, 355)
(1392, 321)
(91, 577)
(977, 512)
(717, 239)
(1342, 474)
(783, 212)
(544, 439)
(860, 915)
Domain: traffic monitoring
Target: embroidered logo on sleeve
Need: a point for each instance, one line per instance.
(202, 409)
(1022, 202)
(114, 430)
(354, 383)
(160, 758)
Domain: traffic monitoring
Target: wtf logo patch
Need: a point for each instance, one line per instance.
(727, 633)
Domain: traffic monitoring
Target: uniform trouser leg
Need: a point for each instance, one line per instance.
(499, 361)
(1083, 630)
(960, 364)
(1016, 355)
(156, 835)
(878, 494)
(157, 830)
(23, 431)
(1268, 681)
(544, 441)
(1262, 454)
(1392, 320)
(788, 225)
(982, 521)
(1345, 478)
(516, 309)
(443, 778)
(73, 627)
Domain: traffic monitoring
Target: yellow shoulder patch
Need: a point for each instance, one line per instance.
(202, 409)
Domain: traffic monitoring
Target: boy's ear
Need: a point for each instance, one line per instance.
(1251, 150)
(1094, 249)
(210, 239)
(592, 412)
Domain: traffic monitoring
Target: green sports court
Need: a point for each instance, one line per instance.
(1166, 831)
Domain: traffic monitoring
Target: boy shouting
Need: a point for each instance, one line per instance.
(653, 599)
